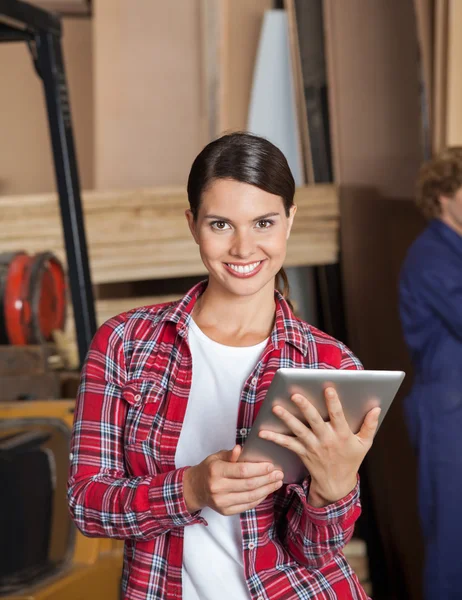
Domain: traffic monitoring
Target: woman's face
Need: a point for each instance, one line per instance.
(242, 234)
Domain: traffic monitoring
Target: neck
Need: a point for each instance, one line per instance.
(237, 315)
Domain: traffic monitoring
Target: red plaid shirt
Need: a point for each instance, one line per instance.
(123, 482)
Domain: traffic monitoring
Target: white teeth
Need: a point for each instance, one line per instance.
(244, 269)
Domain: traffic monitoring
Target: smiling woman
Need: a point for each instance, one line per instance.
(249, 179)
(169, 394)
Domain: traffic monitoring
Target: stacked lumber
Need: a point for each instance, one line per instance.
(143, 234)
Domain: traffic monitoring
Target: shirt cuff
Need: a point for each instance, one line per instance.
(167, 501)
(343, 512)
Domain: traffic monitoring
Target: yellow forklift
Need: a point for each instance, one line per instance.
(42, 554)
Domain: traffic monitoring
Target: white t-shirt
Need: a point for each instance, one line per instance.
(212, 558)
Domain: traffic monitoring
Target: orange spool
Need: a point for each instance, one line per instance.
(32, 296)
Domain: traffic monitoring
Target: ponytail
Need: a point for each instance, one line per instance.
(282, 284)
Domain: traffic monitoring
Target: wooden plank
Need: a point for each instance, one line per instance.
(30, 387)
(424, 18)
(440, 79)
(454, 76)
(25, 360)
(305, 144)
(143, 234)
(149, 104)
(240, 22)
(373, 85)
(310, 24)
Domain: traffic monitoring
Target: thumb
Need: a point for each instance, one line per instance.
(235, 454)
(229, 455)
(369, 426)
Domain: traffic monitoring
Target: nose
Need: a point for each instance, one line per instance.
(243, 245)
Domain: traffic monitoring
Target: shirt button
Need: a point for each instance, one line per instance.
(254, 381)
(137, 397)
(251, 546)
(243, 431)
(71, 456)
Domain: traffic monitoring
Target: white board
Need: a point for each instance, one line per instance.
(272, 112)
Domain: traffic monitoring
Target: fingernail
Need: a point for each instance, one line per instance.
(330, 393)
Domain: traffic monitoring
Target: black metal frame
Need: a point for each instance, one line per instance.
(41, 30)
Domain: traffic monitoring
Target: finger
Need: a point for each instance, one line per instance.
(300, 430)
(239, 499)
(286, 441)
(335, 410)
(252, 483)
(312, 416)
(235, 453)
(246, 470)
(237, 510)
(369, 426)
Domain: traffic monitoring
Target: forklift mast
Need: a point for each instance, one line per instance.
(42, 31)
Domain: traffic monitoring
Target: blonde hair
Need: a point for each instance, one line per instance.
(439, 176)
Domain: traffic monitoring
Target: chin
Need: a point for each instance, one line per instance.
(247, 287)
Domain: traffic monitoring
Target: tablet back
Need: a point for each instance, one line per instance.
(359, 392)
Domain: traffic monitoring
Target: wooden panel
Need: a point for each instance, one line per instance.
(30, 387)
(241, 23)
(150, 119)
(143, 234)
(64, 6)
(376, 234)
(424, 11)
(24, 360)
(25, 150)
(454, 75)
(373, 84)
(440, 72)
(299, 90)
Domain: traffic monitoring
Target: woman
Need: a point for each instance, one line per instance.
(169, 394)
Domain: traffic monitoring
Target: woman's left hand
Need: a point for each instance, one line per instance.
(331, 452)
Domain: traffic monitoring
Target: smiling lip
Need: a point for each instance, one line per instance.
(244, 271)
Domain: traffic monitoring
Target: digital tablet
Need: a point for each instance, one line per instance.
(359, 392)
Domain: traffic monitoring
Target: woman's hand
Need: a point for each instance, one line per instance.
(227, 486)
(331, 452)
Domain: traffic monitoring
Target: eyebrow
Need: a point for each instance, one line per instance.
(261, 218)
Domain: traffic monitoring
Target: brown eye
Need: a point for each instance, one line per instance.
(264, 224)
(219, 225)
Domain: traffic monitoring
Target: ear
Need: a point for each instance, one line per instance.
(192, 224)
(293, 210)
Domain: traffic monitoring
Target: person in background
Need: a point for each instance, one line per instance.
(169, 394)
(431, 315)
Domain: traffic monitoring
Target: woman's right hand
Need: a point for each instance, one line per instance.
(229, 487)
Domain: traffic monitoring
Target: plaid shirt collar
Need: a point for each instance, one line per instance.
(287, 328)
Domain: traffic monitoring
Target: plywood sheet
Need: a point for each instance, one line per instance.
(150, 111)
(241, 23)
(441, 74)
(373, 83)
(454, 76)
(424, 11)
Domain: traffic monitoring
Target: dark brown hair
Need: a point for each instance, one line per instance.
(440, 176)
(249, 159)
